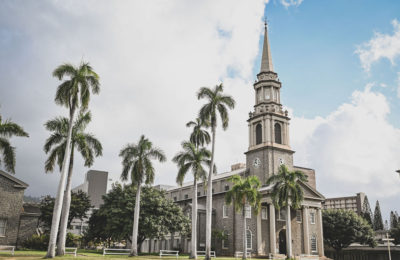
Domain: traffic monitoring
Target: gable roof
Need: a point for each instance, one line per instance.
(18, 182)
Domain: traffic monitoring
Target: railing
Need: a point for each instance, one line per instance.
(169, 253)
(240, 254)
(203, 253)
(10, 249)
(116, 251)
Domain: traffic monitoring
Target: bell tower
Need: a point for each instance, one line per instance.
(269, 145)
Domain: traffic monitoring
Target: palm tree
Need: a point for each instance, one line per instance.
(244, 193)
(193, 158)
(137, 162)
(88, 146)
(287, 192)
(73, 93)
(217, 104)
(199, 136)
(7, 130)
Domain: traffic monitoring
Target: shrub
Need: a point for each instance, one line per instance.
(37, 242)
(73, 240)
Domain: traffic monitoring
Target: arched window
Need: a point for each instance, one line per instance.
(249, 237)
(258, 134)
(278, 133)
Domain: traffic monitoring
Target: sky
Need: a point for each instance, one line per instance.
(337, 60)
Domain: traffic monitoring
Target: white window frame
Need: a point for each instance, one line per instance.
(299, 217)
(313, 237)
(247, 212)
(3, 220)
(312, 217)
(280, 214)
(225, 211)
(264, 213)
(249, 240)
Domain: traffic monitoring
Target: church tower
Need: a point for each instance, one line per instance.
(269, 145)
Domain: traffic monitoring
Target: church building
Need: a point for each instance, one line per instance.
(269, 147)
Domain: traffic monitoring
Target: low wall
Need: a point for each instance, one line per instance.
(367, 253)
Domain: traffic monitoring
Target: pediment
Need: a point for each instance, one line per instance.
(311, 193)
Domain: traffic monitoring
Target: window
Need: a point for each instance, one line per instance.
(281, 214)
(249, 237)
(264, 214)
(259, 96)
(174, 198)
(248, 211)
(3, 225)
(312, 217)
(225, 240)
(198, 193)
(224, 211)
(298, 215)
(278, 134)
(313, 243)
(266, 91)
(212, 191)
(226, 187)
(186, 196)
(258, 134)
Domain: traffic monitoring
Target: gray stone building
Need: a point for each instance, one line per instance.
(269, 147)
(354, 203)
(18, 221)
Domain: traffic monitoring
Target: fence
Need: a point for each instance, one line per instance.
(363, 254)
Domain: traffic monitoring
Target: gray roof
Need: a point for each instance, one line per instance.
(18, 183)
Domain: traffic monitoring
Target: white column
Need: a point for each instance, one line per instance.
(288, 233)
(272, 230)
(320, 234)
(266, 130)
(306, 236)
(263, 139)
(259, 238)
(250, 144)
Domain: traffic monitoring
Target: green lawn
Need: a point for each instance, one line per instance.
(87, 255)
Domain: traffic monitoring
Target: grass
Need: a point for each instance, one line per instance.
(87, 255)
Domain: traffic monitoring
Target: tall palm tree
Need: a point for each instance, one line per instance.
(137, 163)
(73, 93)
(217, 103)
(199, 136)
(286, 193)
(87, 145)
(244, 193)
(7, 130)
(193, 158)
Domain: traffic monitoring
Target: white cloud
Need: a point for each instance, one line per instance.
(288, 3)
(353, 149)
(398, 84)
(380, 46)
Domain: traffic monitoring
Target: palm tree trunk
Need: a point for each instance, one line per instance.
(209, 199)
(55, 222)
(193, 253)
(244, 234)
(134, 251)
(288, 232)
(65, 210)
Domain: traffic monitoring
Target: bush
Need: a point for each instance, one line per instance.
(73, 240)
(37, 242)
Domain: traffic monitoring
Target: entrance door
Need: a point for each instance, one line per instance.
(282, 242)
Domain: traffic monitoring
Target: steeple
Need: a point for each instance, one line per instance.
(266, 60)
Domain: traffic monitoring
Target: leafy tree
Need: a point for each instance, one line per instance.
(87, 145)
(217, 103)
(159, 216)
(194, 159)
(287, 193)
(199, 136)
(244, 193)
(366, 212)
(378, 222)
(80, 205)
(344, 227)
(394, 220)
(137, 162)
(395, 233)
(73, 93)
(9, 129)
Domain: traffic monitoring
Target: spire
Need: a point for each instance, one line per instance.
(266, 61)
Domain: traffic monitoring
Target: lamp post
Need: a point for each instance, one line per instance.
(388, 244)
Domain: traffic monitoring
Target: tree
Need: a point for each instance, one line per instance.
(137, 162)
(395, 233)
(199, 136)
(9, 129)
(344, 227)
(87, 145)
(244, 193)
(194, 159)
(394, 220)
(286, 193)
(378, 222)
(73, 93)
(366, 212)
(217, 103)
(80, 205)
(159, 216)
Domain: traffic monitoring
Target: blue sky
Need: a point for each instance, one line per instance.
(333, 57)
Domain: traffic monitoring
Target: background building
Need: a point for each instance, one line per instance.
(354, 203)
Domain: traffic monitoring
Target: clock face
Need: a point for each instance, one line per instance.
(257, 162)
